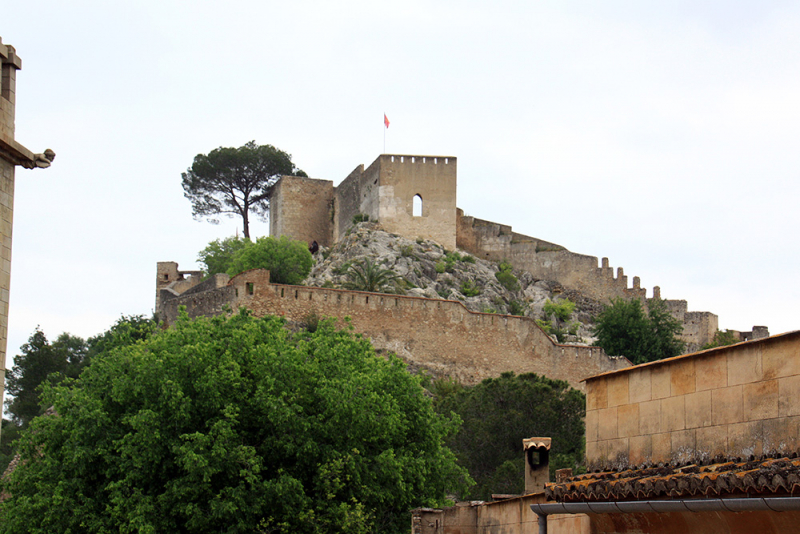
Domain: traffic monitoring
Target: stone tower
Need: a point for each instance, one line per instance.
(413, 196)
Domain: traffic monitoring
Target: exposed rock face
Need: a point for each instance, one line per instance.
(425, 269)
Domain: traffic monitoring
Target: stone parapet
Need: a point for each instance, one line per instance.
(440, 335)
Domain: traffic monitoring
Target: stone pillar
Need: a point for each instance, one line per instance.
(11, 155)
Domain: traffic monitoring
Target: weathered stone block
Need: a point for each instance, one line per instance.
(628, 420)
(673, 413)
(744, 364)
(711, 372)
(712, 441)
(607, 424)
(727, 405)
(650, 417)
(760, 400)
(698, 409)
(661, 381)
(640, 388)
(617, 387)
(682, 377)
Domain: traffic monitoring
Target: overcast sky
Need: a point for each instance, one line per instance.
(662, 135)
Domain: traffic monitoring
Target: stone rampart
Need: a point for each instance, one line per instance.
(544, 260)
(440, 335)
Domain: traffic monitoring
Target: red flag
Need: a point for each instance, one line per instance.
(385, 120)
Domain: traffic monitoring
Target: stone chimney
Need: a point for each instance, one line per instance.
(537, 464)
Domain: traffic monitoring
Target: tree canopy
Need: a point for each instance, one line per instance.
(38, 360)
(498, 414)
(234, 424)
(287, 260)
(625, 329)
(236, 181)
(66, 357)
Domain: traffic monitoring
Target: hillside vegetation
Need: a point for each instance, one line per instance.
(423, 268)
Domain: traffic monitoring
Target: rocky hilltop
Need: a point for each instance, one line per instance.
(423, 268)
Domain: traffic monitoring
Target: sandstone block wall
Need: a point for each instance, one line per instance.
(309, 210)
(302, 209)
(510, 516)
(433, 178)
(544, 260)
(733, 401)
(440, 335)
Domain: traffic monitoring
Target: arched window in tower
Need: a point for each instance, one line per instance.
(417, 206)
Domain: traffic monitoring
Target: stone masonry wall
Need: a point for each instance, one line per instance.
(733, 402)
(302, 209)
(509, 516)
(544, 260)
(440, 335)
(433, 179)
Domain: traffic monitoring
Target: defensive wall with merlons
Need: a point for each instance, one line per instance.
(415, 197)
(441, 336)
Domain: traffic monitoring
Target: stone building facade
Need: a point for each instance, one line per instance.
(415, 196)
(12, 154)
(387, 191)
(441, 336)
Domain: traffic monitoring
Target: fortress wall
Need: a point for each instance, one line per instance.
(544, 260)
(440, 335)
(357, 194)
(302, 209)
(433, 178)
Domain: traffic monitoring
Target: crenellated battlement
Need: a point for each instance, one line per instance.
(415, 196)
(442, 336)
(416, 160)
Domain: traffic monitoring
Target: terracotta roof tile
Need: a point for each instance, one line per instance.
(767, 476)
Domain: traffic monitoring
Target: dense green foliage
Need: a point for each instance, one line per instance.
(38, 360)
(624, 329)
(234, 424)
(236, 181)
(66, 357)
(498, 414)
(217, 257)
(288, 261)
(721, 339)
(366, 275)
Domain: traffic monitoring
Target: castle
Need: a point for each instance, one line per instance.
(415, 196)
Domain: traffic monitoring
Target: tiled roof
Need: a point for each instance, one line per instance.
(774, 476)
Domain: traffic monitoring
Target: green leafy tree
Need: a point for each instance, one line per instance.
(217, 257)
(721, 339)
(235, 425)
(236, 181)
(288, 261)
(42, 361)
(499, 413)
(625, 329)
(366, 275)
(38, 362)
